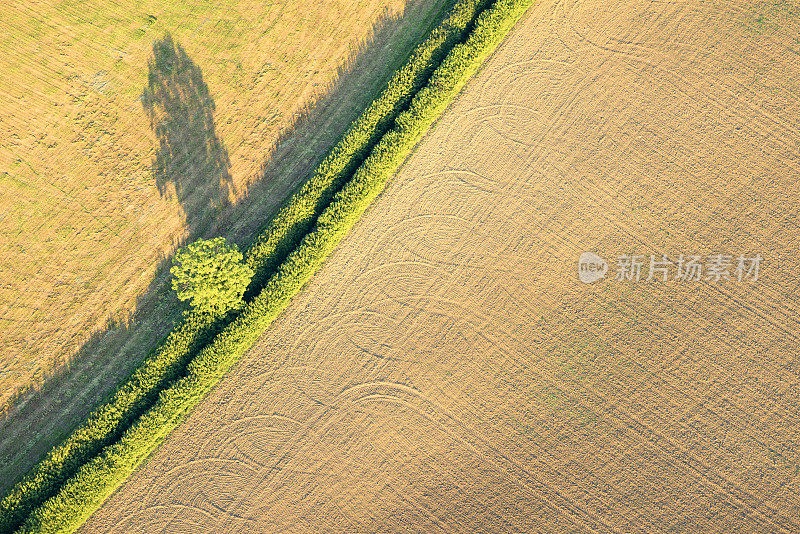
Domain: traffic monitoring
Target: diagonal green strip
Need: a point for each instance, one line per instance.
(296, 218)
(96, 480)
(195, 330)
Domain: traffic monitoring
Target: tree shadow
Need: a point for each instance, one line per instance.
(192, 165)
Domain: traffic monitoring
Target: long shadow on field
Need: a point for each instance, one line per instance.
(192, 164)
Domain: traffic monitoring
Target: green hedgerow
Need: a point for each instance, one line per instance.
(77, 476)
(164, 364)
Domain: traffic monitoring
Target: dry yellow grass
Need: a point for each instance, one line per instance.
(127, 128)
(447, 372)
(83, 221)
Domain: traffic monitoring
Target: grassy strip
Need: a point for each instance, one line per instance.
(96, 480)
(168, 361)
(296, 218)
(106, 424)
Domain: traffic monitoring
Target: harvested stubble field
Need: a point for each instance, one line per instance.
(447, 372)
(126, 129)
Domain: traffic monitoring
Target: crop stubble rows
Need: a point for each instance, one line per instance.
(84, 226)
(445, 371)
(95, 480)
(110, 181)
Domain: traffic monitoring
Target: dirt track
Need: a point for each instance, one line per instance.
(447, 372)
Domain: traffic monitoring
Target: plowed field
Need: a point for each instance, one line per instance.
(129, 127)
(447, 371)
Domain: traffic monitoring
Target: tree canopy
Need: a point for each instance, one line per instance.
(210, 274)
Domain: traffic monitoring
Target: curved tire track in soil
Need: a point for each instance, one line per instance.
(447, 372)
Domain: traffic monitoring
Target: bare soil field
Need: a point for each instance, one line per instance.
(446, 371)
(126, 129)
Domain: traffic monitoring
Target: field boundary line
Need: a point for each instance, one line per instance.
(176, 393)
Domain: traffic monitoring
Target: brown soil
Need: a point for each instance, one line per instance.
(446, 371)
(123, 134)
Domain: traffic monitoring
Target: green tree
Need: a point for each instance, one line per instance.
(211, 275)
